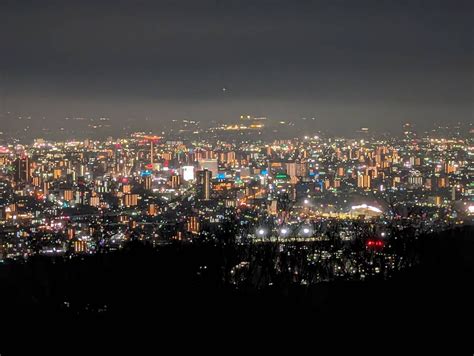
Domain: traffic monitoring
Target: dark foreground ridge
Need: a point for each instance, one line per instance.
(170, 288)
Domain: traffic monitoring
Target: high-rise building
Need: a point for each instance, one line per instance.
(68, 195)
(94, 201)
(296, 169)
(151, 210)
(147, 182)
(363, 181)
(204, 184)
(175, 181)
(193, 225)
(130, 200)
(187, 173)
(57, 173)
(22, 169)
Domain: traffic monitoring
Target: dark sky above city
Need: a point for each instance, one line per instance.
(347, 63)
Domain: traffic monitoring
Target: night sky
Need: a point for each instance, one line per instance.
(347, 63)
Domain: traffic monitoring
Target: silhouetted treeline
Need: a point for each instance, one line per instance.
(181, 285)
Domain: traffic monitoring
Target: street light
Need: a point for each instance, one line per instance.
(306, 231)
(284, 232)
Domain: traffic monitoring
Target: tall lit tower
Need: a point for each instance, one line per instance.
(204, 184)
(151, 153)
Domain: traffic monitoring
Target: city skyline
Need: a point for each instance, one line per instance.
(197, 167)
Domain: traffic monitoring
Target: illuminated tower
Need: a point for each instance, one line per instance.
(147, 182)
(22, 169)
(204, 184)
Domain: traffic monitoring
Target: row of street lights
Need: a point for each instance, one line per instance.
(304, 231)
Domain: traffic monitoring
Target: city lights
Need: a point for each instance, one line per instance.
(272, 159)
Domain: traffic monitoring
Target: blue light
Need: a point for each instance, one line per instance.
(264, 172)
(145, 173)
(220, 175)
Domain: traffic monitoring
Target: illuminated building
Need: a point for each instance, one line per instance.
(187, 173)
(193, 225)
(204, 184)
(94, 201)
(175, 181)
(363, 181)
(22, 169)
(130, 200)
(80, 246)
(147, 182)
(151, 210)
(68, 195)
(57, 173)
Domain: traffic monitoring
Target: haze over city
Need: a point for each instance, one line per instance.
(348, 64)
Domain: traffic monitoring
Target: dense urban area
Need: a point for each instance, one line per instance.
(335, 207)
(194, 220)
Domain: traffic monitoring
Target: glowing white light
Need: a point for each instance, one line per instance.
(306, 201)
(306, 230)
(470, 209)
(284, 231)
(261, 232)
(383, 234)
(365, 206)
(188, 173)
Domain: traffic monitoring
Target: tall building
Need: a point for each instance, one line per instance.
(204, 184)
(193, 225)
(130, 200)
(363, 181)
(57, 173)
(296, 169)
(94, 201)
(175, 181)
(187, 173)
(151, 153)
(68, 195)
(147, 182)
(151, 210)
(22, 170)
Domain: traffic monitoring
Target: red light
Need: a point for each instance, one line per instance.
(373, 243)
